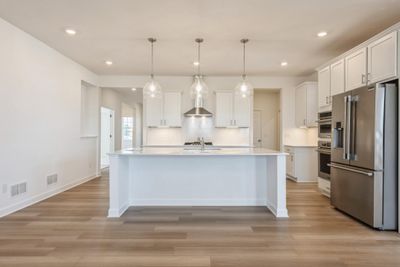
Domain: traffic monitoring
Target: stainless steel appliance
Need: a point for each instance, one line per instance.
(324, 124)
(364, 154)
(324, 159)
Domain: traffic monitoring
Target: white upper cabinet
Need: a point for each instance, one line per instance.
(241, 111)
(154, 112)
(337, 77)
(356, 69)
(172, 109)
(324, 87)
(231, 110)
(382, 58)
(165, 111)
(306, 104)
(223, 109)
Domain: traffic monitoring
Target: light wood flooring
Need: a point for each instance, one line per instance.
(71, 229)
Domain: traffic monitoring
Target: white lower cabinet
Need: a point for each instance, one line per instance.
(302, 163)
(324, 186)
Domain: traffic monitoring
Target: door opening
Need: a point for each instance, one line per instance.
(107, 135)
(267, 119)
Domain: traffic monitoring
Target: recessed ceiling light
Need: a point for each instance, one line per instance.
(70, 31)
(322, 34)
(108, 62)
(196, 63)
(284, 63)
(133, 89)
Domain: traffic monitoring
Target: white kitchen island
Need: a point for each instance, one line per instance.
(214, 177)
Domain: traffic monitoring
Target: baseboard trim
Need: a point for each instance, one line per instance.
(198, 202)
(279, 213)
(35, 199)
(115, 213)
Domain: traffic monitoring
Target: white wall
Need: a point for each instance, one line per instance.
(40, 92)
(289, 133)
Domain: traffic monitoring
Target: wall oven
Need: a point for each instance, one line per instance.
(324, 158)
(325, 124)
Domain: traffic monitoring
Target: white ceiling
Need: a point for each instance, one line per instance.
(278, 30)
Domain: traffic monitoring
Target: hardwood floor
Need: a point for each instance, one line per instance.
(71, 229)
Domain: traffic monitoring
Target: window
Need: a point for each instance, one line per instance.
(127, 132)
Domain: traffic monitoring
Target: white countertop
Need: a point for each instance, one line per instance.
(179, 151)
(296, 145)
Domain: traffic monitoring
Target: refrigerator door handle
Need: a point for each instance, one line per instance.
(350, 169)
(353, 151)
(347, 125)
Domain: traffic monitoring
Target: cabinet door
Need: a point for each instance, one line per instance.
(356, 67)
(154, 112)
(301, 106)
(337, 77)
(172, 109)
(241, 111)
(312, 106)
(223, 109)
(382, 58)
(324, 87)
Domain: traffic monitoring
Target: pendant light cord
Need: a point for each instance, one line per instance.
(152, 59)
(198, 41)
(198, 58)
(244, 59)
(244, 41)
(152, 41)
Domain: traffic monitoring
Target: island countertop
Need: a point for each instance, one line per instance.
(194, 151)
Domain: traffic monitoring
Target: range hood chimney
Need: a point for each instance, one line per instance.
(198, 110)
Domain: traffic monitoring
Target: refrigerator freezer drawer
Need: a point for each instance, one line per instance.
(358, 193)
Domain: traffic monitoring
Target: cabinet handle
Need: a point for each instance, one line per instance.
(368, 77)
(326, 100)
(362, 78)
(304, 122)
(234, 121)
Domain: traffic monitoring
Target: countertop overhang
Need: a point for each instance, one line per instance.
(170, 151)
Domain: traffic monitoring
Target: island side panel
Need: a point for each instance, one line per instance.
(198, 180)
(276, 185)
(119, 185)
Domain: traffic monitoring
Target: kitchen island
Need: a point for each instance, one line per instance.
(194, 177)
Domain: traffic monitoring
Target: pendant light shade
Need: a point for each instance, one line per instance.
(152, 89)
(244, 88)
(199, 88)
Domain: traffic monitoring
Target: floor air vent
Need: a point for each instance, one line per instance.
(52, 179)
(18, 189)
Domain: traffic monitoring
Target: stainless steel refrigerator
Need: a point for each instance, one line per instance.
(364, 154)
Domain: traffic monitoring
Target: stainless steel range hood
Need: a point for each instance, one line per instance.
(198, 110)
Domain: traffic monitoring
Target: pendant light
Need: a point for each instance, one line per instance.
(199, 89)
(244, 88)
(152, 89)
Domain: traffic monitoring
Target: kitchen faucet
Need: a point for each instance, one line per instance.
(202, 143)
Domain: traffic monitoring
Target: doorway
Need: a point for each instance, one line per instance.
(267, 119)
(107, 136)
